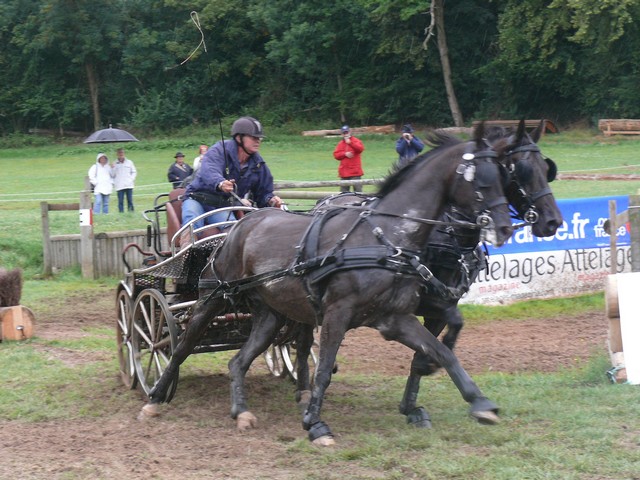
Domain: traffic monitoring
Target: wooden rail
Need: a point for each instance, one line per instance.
(100, 254)
(531, 124)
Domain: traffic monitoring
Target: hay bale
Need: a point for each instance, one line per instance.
(10, 287)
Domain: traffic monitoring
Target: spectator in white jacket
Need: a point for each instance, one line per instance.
(125, 176)
(101, 178)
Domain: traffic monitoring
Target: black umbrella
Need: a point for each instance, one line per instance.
(110, 135)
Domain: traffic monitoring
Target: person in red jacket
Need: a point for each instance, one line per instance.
(348, 153)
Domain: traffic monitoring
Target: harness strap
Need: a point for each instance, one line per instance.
(421, 269)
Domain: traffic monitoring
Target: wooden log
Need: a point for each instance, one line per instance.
(619, 126)
(379, 129)
(17, 323)
(531, 124)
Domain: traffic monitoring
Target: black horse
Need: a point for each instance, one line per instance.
(455, 258)
(348, 268)
(454, 255)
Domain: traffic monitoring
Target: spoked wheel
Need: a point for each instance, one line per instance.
(123, 338)
(274, 361)
(290, 358)
(153, 338)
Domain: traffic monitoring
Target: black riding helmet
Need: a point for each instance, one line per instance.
(247, 126)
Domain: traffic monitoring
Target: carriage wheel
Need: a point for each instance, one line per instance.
(290, 358)
(274, 361)
(123, 338)
(153, 338)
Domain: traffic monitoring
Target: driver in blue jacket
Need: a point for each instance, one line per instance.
(230, 169)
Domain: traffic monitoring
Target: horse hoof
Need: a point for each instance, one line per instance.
(325, 441)
(419, 418)
(150, 410)
(246, 421)
(487, 417)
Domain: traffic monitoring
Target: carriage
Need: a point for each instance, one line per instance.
(155, 299)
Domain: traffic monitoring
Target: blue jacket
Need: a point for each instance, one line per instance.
(408, 150)
(254, 178)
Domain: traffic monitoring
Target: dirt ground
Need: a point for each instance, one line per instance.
(202, 443)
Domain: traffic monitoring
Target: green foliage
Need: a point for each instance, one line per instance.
(71, 65)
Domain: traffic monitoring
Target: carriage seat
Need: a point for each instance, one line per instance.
(174, 217)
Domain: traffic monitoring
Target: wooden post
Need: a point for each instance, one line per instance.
(86, 233)
(613, 237)
(46, 239)
(634, 226)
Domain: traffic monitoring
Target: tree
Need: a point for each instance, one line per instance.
(437, 14)
(85, 32)
(316, 47)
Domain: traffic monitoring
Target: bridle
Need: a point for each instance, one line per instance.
(522, 206)
(471, 170)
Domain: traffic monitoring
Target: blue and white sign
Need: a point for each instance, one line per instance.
(582, 228)
(574, 261)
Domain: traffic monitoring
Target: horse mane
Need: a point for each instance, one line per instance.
(397, 174)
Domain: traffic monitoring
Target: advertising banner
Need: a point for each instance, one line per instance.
(574, 261)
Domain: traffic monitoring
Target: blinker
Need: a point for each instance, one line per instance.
(469, 172)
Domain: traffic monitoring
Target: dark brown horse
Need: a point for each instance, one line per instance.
(350, 268)
(454, 255)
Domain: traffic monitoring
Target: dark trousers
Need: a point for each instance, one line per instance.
(121, 194)
(356, 188)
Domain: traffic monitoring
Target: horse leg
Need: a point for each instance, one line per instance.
(422, 364)
(331, 337)
(188, 340)
(263, 331)
(304, 343)
(455, 322)
(407, 330)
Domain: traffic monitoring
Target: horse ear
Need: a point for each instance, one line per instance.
(537, 133)
(478, 133)
(521, 130)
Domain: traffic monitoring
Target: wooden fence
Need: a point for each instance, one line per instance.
(100, 254)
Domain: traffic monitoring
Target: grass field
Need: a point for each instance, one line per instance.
(55, 173)
(567, 425)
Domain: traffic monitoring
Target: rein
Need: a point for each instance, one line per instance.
(365, 211)
(393, 258)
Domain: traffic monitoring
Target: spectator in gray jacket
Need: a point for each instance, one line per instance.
(124, 180)
(179, 170)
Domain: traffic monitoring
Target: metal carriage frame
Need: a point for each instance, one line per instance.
(154, 301)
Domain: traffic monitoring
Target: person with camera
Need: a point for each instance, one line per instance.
(408, 145)
(231, 171)
(348, 152)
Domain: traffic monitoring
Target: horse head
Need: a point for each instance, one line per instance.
(529, 175)
(475, 194)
